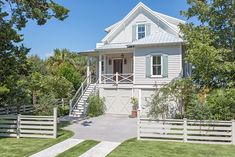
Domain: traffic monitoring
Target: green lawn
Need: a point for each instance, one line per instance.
(134, 148)
(79, 149)
(12, 147)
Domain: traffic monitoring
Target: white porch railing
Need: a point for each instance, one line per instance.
(117, 78)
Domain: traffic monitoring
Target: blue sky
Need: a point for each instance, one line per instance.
(86, 23)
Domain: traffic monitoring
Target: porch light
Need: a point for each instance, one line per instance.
(122, 55)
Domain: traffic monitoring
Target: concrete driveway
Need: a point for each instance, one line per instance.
(109, 127)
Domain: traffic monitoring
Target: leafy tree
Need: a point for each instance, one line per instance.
(210, 45)
(172, 99)
(37, 71)
(45, 105)
(59, 86)
(14, 16)
(67, 71)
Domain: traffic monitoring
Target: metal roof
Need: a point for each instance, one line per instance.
(157, 38)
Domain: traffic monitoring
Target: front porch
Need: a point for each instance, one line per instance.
(111, 67)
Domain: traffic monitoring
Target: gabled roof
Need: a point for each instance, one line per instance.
(157, 38)
(170, 22)
(173, 21)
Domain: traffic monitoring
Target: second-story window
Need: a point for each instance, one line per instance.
(141, 31)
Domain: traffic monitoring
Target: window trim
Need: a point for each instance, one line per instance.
(137, 33)
(151, 70)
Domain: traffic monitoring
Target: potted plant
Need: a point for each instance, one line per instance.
(134, 102)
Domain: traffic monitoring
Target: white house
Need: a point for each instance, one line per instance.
(142, 51)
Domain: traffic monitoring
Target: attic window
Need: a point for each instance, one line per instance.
(141, 31)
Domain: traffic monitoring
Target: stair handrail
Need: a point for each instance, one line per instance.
(81, 90)
(93, 90)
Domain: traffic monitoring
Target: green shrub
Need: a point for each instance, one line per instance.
(222, 104)
(96, 106)
(198, 110)
(63, 110)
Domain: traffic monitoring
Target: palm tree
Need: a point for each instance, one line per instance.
(64, 55)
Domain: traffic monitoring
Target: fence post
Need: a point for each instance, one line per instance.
(233, 132)
(70, 107)
(55, 122)
(116, 77)
(18, 126)
(185, 129)
(138, 124)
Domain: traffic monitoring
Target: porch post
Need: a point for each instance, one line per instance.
(97, 68)
(88, 70)
(100, 67)
(104, 64)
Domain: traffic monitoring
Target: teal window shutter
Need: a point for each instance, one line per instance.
(148, 66)
(133, 32)
(165, 65)
(148, 29)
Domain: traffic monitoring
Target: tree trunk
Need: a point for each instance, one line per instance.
(34, 98)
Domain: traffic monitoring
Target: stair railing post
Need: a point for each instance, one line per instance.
(82, 88)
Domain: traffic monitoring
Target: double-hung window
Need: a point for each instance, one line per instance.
(156, 65)
(141, 31)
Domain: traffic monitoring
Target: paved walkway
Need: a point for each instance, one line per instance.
(101, 150)
(109, 127)
(58, 148)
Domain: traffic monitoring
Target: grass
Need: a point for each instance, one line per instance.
(79, 149)
(12, 147)
(134, 148)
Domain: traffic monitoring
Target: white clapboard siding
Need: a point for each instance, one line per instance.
(183, 130)
(174, 62)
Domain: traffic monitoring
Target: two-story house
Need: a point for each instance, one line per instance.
(140, 53)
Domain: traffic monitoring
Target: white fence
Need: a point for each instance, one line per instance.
(183, 130)
(29, 126)
(13, 110)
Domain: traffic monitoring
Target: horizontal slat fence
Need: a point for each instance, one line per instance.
(183, 130)
(13, 110)
(28, 126)
(8, 126)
